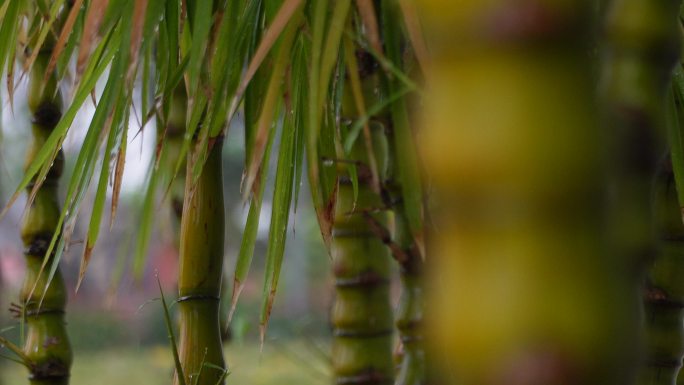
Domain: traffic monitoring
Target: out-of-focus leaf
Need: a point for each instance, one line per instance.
(94, 17)
(62, 39)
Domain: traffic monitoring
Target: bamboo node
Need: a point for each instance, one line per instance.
(368, 377)
(348, 333)
(47, 115)
(198, 297)
(365, 279)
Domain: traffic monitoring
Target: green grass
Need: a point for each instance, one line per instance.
(291, 362)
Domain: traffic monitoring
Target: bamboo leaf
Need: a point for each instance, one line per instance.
(147, 216)
(62, 39)
(99, 203)
(415, 33)
(201, 25)
(8, 36)
(46, 154)
(244, 259)
(119, 169)
(355, 82)
(282, 200)
(405, 156)
(287, 10)
(45, 29)
(273, 93)
(312, 128)
(331, 48)
(172, 337)
(94, 17)
(24, 359)
(370, 23)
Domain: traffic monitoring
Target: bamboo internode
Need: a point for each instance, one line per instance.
(200, 272)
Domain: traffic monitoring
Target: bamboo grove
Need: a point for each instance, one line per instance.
(519, 164)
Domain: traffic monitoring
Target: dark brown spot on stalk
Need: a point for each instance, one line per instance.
(366, 63)
(365, 279)
(656, 296)
(367, 377)
(522, 21)
(51, 341)
(33, 309)
(539, 367)
(47, 115)
(39, 245)
(50, 369)
(198, 297)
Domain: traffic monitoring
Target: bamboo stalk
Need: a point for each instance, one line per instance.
(665, 291)
(410, 310)
(361, 314)
(47, 344)
(642, 48)
(201, 270)
(525, 285)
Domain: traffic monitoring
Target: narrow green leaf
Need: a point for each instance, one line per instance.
(244, 259)
(272, 98)
(99, 203)
(282, 200)
(172, 337)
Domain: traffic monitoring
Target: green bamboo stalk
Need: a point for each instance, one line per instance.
(173, 143)
(361, 315)
(642, 48)
(200, 273)
(525, 286)
(410, 310)
(46, 344)
(665, 290)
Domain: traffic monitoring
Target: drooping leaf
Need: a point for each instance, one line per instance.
(273, 96)
(246, 254)
(282, 200)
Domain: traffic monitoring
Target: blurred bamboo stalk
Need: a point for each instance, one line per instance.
(642, 48)
(665, 290)
(525, 285)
